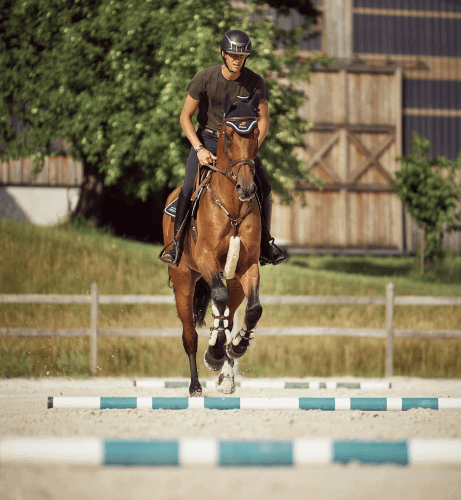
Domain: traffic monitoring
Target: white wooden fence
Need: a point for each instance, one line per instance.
(389, 301)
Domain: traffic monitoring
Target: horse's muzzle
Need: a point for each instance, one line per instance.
(245, 191)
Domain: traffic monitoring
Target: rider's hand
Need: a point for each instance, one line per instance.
(205, 157)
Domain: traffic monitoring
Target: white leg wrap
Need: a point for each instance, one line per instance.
(213, 337)
(236, 340)
(241, 334)
(220, 323)
(232, 257)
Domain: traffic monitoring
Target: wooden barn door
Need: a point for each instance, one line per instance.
(352, 148)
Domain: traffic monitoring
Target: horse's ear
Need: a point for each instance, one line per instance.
(226, 103)
(254, 103)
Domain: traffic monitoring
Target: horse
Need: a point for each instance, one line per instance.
(226, 244)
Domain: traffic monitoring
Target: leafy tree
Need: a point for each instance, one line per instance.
(428, 189)
(109, 76)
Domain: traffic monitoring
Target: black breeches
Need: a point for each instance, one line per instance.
(210, 142)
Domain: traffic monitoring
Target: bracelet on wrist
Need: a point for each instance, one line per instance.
(198, 148)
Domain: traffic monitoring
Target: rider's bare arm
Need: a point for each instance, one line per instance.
(185, 120)
(264, 121)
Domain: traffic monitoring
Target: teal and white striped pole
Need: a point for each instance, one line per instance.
(227, 453)
(325, 404)
(266, 384)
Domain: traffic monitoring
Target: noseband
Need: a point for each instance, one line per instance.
(241, 161)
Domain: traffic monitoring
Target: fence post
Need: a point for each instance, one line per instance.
(94, 328)
(389, 330)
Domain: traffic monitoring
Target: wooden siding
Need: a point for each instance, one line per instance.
(57, 171)
(351, 147)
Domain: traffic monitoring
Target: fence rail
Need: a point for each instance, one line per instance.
(94, 300)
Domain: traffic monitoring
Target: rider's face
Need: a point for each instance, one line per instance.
(235, 61)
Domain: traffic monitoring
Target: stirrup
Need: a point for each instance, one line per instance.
(167, 258)
(276, 255)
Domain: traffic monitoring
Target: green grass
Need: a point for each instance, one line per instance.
(67, 258)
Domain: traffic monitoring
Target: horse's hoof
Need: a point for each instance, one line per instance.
(212, 363)
(195, 389)
(225, 384)
(236, 351)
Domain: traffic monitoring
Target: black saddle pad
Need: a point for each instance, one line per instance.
(171, 208)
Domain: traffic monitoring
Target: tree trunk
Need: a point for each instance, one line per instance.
(126, 215)
(91, 194)
(422, 249)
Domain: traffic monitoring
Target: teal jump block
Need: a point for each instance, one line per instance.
(369, 404)
(371, 452)
(255, 453)
(170, 403)
(411, 403)
(222, 403)
(325, 404)
(132, 453)
(118, 403)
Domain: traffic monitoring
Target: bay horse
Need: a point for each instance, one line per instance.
(227, 244)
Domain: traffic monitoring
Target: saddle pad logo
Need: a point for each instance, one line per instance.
(242, 124)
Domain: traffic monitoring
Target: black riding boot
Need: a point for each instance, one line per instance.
(173, 257)
(270, 252)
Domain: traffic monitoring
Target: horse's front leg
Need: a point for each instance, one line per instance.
(226, 383)
(184, 287)
(220, 334)
(245, 337)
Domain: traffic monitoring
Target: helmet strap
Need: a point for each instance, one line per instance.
(225, 63)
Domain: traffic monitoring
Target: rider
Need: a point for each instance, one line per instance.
(205, 95)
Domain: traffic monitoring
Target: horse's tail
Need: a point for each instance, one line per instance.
(202, 297)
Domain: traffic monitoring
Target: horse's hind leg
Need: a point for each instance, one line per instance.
(184, 285)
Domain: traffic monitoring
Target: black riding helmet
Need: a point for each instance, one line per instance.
(235, 42)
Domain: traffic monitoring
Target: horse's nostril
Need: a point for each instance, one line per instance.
(238, 186)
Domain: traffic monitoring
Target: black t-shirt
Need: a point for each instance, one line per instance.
(209, 86)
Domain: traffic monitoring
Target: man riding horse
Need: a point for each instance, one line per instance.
(205, 95)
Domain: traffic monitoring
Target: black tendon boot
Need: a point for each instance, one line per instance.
(173, 257)
(270, 252)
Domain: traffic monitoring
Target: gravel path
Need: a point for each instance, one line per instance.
(23, 412)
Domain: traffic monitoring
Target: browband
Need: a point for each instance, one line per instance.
(238, 118)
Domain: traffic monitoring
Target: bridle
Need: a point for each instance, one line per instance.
(233, 176)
